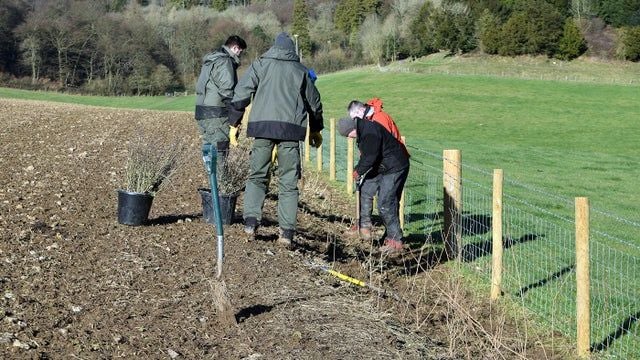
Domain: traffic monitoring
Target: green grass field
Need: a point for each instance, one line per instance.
(572, 139)
(557, 130)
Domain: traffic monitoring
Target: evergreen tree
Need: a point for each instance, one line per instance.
(115, 5)
(184, 4)
(300, 27)
(219, 5)
(453, 30)
(489, 32)
(421, 41)
(572, 44)
(12, 14)
(620, 12)
(630, 41)
(350, 14)
(534, 28)
(515, 39)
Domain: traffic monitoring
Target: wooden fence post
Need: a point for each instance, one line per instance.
(452, 186)
(307, 147)
(401, 204)
(496, 226)
(332, 149)
(349, 165)
(319, 158)
(583, 302)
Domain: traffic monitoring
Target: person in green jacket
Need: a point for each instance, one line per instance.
(283, 95)
(214, 91)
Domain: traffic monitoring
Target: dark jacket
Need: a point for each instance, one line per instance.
(283, 95)
(380, 151)
(214, 89)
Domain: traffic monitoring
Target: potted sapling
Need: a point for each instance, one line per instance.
(150, 165)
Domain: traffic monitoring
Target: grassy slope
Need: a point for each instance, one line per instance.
(571, 139)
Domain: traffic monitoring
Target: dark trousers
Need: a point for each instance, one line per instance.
(389, 193)
(368, 191)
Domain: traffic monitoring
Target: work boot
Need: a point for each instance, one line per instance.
(364, 233)
(391, 246)
(286, 238)
(250, 225)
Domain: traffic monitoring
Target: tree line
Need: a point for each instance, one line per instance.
(147, 47)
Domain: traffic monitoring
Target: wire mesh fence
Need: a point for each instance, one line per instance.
(615, 291)
(538, 242)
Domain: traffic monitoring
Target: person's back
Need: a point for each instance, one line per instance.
(283, 95)
(379, 149)
(215, 84)
(214, 91)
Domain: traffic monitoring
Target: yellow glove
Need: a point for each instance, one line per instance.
(315, 139)
(274, 154)
(233, 136)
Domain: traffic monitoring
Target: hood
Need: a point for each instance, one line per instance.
(283, 41)
(281, 54)
(220, 53)
(376, 104)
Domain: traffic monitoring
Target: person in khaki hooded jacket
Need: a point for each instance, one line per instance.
(283, 95)
(214, 91)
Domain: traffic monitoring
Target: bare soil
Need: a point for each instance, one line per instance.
(76, 284)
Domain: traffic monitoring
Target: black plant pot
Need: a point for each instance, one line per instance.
(133, 207)
(227, 207)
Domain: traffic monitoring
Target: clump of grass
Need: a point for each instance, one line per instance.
(151, 162)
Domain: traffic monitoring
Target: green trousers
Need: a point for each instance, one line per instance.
(215, 131)
(288, 175)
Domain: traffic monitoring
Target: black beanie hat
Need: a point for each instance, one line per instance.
(283, 41)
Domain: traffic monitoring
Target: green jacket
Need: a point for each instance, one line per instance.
(283, 95)
(214, 89)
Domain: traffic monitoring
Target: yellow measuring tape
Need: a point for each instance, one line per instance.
(346, 278)
(361, 283)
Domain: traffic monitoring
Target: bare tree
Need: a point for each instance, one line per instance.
(31, 45)
(189, 42)
(112, 42)
(30, 48)
(372, 38)
(403, 11)
(582, 8)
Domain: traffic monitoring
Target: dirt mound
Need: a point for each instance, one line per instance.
(74, 283)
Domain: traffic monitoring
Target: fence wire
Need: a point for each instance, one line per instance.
(615, 294)
(539, 253)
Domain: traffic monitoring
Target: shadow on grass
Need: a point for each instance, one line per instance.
(474, 251)
(622, 330)
(555, 276)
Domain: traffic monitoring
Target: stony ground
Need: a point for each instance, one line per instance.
(76, 284)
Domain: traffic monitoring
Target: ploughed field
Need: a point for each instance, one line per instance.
(76, 284)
